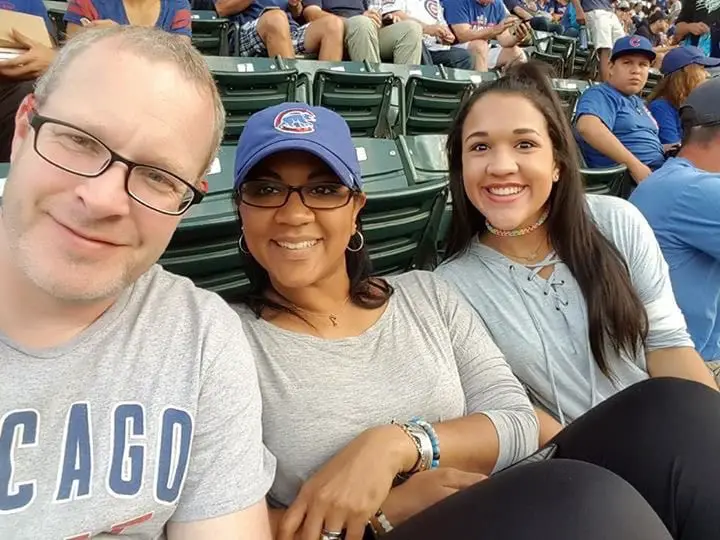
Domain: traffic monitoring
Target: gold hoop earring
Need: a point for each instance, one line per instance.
(360, 246)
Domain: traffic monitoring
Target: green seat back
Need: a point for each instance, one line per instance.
(362, 99)
(605, 181)
(381, 164)
(210, 36)
(564, 47)
(555, 61)
(425, 157)
(432, 104)
(243, 94)
(569, 92)
(654, 77)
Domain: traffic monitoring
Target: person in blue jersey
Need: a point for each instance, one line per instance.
(18, 74)
(277, 28)
(170, 15)
(476, 22)
(681, 201)
(683, 69)
(612, 122)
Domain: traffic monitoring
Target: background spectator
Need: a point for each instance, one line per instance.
(653, 28)
(476, 22)
(683, 69)
(437, 36)
(681, 201)
(17, 75)
(170, 15)
(613, 124)
(534, 13)
(271, 28)
(367, 36)
(604, 27)
(697, 24)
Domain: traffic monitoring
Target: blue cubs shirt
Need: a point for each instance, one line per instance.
(31, 7)
(668, 120)
(628, 119)
(682, 205)
(475, 14)
(174, 14)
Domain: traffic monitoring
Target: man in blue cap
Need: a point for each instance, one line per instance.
(612, 122)
(681, 201)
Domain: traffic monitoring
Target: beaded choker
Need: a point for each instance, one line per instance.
(519, 232)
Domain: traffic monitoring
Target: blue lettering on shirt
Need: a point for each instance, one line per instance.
(76, 465)
(174, 455)
(128, 458)
(18, 430)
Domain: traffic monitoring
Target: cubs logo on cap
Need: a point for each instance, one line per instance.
(634, 41)
(297, 121)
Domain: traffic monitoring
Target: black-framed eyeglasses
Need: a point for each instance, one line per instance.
(76, 151)
(270, 194)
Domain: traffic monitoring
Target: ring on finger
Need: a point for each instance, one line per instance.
(330, 535)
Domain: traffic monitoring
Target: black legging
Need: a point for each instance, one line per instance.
(661, 437)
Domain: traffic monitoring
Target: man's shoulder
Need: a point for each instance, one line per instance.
(670, 182)
(169, 298)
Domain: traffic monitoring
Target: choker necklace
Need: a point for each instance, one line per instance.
(519, 232)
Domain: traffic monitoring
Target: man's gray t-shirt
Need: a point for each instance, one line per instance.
(428, 355)
(152, 413)
(541, 325)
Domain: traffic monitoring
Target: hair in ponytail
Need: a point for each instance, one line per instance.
(616, 315)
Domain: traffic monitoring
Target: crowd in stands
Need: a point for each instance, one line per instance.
(554, 376)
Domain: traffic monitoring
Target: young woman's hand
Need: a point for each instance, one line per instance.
(348, 490)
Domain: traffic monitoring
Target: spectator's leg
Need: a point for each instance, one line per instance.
(555, 499)
(361, 39)
(455, 57)
(401, 43)
(11, 95)
(273, 28)
(479, 49)
(505, 57)
(663, 437)
(600, 28)
(323, 36)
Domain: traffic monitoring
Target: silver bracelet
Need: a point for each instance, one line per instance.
(383, 521)
(425, 444)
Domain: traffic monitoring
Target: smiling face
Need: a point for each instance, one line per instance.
(629, 73)
(298, 246)
(84, 239)
(507, 160)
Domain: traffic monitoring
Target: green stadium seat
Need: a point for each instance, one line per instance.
(381, 164)
(564, 47)
(425, 157)
(555, 61)
(362, 99)
(210, 33)
(245, 93)
(475, 77)
(654, 77)
(56, 12)
(569, 92)
(432, 104)
(605, 181)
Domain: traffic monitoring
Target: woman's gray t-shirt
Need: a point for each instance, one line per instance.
(541, 325)
(428, 355)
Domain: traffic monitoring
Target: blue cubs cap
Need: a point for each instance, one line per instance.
(632, 45)
(680, 57)
(297, 126)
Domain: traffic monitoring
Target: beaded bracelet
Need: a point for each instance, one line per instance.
(434, 440)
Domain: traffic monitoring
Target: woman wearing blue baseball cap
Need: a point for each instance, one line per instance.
(684, 68)
(385, 400)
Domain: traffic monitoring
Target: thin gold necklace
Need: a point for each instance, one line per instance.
(332, 317)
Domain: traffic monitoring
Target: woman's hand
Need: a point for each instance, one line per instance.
(347, 491)
(425, 489)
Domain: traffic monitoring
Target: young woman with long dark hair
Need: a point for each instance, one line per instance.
(341, 354)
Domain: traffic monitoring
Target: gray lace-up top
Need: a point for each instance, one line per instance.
(541, 324)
